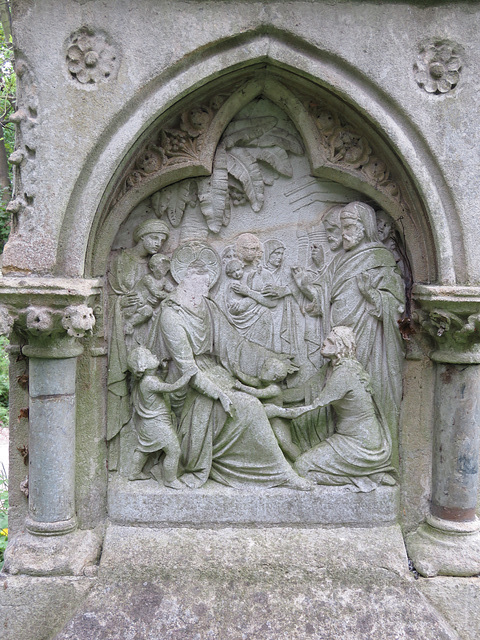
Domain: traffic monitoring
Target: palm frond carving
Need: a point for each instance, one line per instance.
(251, 154)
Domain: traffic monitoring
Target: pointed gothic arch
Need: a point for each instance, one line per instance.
(411, 187)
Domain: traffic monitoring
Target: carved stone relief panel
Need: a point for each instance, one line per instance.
(253, 314)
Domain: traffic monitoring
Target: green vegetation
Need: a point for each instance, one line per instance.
(3, 383)
(3, 513)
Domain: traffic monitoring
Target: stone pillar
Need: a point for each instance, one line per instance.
(448, 543)
(456, 442)
(50, 544)
(52, 374)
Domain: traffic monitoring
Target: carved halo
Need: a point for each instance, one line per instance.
(191, 252)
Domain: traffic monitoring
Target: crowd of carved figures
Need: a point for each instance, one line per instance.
(244, 367)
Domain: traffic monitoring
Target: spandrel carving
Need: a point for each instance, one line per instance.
(236, 303)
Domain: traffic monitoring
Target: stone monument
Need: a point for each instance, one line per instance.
(242, 286)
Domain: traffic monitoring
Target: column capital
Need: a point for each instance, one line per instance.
(451, 317)
(51, 313)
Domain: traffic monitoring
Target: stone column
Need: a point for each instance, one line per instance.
(51, 544)
(448, 543)
(52, 374)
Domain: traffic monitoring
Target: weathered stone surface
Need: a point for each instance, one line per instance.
(246, 583)
(53, 555)
(37, 608)
(458, 600)
(115, 126)
(213, 504)
(444, 548)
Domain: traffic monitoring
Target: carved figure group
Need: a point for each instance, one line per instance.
(270, 363)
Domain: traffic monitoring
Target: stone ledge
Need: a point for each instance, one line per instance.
(272, 584)
(148, 504)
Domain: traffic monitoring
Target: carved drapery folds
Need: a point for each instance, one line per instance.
(257, 329)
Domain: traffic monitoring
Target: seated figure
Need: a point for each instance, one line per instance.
(358, 453)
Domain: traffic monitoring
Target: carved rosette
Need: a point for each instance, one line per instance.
(91, 58)
(437, 68)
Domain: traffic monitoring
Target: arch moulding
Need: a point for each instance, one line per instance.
(396, 170)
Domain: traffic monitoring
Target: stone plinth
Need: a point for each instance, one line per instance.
(144, 503)
(276, 584)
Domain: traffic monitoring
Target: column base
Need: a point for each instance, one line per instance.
(444, 548)
(72, 554)
(61, 528)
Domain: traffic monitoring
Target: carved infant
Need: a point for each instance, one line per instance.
(149, 291)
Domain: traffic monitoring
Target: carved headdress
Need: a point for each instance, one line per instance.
(269, 247)
(366, 215)
(150, 226)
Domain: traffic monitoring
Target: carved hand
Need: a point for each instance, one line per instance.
(273, 292)
(130, 299)
(241, 289)
(364, 282)
(291, 366)
(226, 404)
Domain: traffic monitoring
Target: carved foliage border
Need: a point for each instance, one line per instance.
(180, 144)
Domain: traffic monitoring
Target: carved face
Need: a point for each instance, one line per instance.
(384, 228)
(160, 268)
(153, 242)
(276, 257)
(249, 248)
(234, 269)
(334, 235)
(197, 280)
(329, 347)
(353, 232)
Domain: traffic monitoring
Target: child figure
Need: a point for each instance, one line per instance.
(152, 417)
(265, 387)
(149, 291)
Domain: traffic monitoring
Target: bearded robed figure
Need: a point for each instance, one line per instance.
(366, 293)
